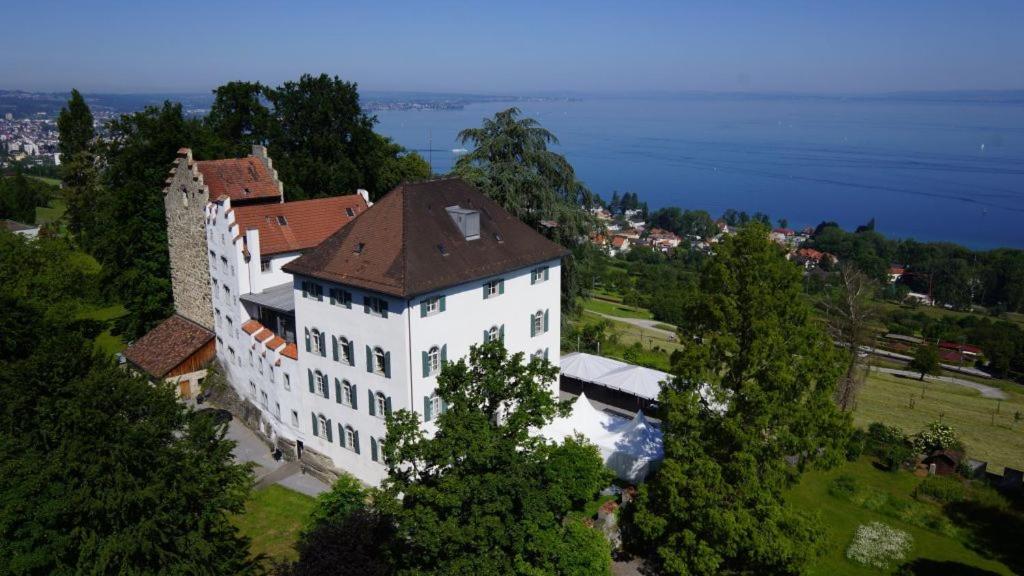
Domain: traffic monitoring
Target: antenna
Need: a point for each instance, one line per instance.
(430, 151)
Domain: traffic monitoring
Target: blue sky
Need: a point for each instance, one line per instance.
(586, 46)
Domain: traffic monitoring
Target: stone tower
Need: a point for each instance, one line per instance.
(185, 199)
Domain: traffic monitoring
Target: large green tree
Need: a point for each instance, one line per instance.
(78, 168)
(239, 118)
(485, 495)
(100, 471)
(75, 124)
(755, 389)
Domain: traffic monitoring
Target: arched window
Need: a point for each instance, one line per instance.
(314, 337)
(493, 333)
(321, 384)
(434, 360)
(382, 404)
(538, 322)
(322, 429)
(346, 392)
(379, 361)
(346, 350)
(350, 438)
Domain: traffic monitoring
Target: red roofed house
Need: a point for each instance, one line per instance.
(620, 245)
(176, 351)
(895, 273)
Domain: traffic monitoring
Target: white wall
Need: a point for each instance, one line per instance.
(405, 334)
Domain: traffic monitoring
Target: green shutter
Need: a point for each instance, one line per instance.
(373, 448)
(545, 353)
(383, 308)
(533, 275)
(312, 387)
(351, 353)
(330, 434)
(341, 434)
(501, 286)
(426, 364)
(334, 346)
(337, 390)
(533, 327)
(305, 289)
(308, 348)
(316, 427)
(373, 405)
(387, 364)
(323, 344)
(501, 333)
(366, 304)
(427, 409)
(441, 304)
(487, 291)
(387, 406)
(355, 396)
(545, 321)
(369, 359)
(327, 385)
(487, 334)
(444, 354)
(355, 440)
(423, 309)
(332, 292)
(319, 293)
(545, 272)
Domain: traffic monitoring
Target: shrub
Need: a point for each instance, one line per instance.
(844, 486)
(937, 436)
(855, 445)
(889, 445)
(941, 489)
(879, 546)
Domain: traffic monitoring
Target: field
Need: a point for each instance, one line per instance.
(107, 342)
(892, 504)
(614, 308)
(995, 437)
(273, 519)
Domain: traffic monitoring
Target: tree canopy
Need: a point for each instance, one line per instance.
(485, 495)
(756, 390)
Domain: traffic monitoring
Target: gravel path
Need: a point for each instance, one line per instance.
(986, 391)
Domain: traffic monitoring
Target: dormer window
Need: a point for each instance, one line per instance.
(359, 248)
(466, 220)
(350, 212)
(281, 220)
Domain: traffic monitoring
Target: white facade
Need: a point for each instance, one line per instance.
(404, 336)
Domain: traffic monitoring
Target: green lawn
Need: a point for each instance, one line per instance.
(44, 179)
(890, 492)
(996, 438)
(55, 211)
(615, 309)
(106, 342)
(273, 519)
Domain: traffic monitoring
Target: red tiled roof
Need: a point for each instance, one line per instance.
(291, 351)
(251, 326)
(810, 253)
(959, 347)
(407, 244)
(238, 178)
(618, 241)
(307, 222)
(168, 345)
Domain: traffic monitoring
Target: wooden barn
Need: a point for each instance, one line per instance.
(177, 350)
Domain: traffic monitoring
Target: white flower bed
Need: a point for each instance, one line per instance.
(879, 546)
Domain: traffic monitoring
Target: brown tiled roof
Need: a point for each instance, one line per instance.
(407, 244)
(238, 178)
(168, 345)
(307, 222)
(291, 351)
(251, 326)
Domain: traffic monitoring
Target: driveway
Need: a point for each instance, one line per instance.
(986, 391)
(249, 448)
(641, 323)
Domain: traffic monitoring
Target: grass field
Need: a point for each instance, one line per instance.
(612, 308)
(44, 179)
(273, 519)
(996, 438)
(106, 342)
(841, 517)
(55, 211)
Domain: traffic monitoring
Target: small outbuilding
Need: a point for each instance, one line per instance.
(946, 462)
(177, 351)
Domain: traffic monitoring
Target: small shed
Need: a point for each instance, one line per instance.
(177, 350)
(946, 461)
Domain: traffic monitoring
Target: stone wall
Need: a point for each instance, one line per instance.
(185, 200)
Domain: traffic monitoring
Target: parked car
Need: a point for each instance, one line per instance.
(219, 415)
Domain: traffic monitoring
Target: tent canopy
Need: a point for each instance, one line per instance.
(636, 380)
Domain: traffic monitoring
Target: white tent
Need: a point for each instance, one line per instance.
(614, 374)
(631, 448)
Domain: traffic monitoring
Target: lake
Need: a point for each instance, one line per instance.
(951, 171)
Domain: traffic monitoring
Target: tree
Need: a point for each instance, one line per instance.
(19, 197)
(322, 140)
(850, 313)
(485, 495)
(75, 124)
(345, 497)
(926, 361)
(698, 223)
(757, 389)
(511, 163)
(239, 118)
(100, 471)
(356, 545)
(889, 444)
(783, 223)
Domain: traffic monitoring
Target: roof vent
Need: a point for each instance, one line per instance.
(466, 220)
(498, 237)
(359, 248)
(247, 191)
(442, 249)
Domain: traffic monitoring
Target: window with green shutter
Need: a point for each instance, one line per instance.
(312, 385)
(428, 409)
(316, 428)
(373, 448)
(371, 402)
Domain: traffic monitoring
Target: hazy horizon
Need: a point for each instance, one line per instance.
(530, 47)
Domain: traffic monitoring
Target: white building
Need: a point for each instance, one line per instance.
(430, 270)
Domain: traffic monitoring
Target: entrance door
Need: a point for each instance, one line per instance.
(185, 389)
(298, 449)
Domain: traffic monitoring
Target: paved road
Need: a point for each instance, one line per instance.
(986, 391)
(642, 323)
(249, 448)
